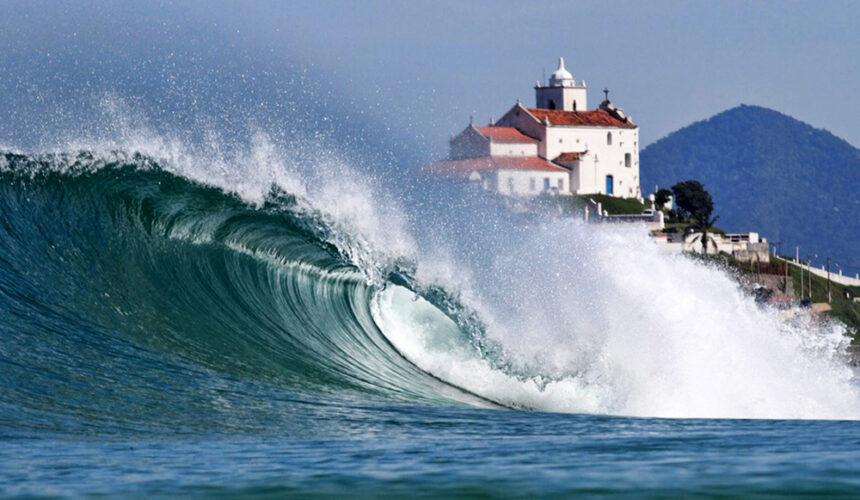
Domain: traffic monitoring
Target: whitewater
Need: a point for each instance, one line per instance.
(270, 306)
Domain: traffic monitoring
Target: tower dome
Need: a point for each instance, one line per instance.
(561, 77)
(562, 93)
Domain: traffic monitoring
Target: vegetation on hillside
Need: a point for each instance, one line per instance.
(841, 297)
(844, 307)
(769, 173)
(577, 203)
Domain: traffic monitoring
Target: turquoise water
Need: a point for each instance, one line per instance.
(162, 336)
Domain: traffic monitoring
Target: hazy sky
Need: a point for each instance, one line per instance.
(430, 65)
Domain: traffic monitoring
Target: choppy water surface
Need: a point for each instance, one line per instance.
(184, 329)
(428, 452)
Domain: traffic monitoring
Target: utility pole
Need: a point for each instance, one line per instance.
(802, 295)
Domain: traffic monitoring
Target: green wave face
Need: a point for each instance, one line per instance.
(138, 297)
(133, 298)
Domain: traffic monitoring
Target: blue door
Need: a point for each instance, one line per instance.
(608, 184)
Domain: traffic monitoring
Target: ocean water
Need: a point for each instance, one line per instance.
(265, 324)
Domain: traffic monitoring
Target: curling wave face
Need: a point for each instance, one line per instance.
(126, 290)
(134, 297)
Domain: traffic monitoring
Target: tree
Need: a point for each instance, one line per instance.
(661, 197)
(695, 203)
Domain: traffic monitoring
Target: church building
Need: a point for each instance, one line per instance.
(557, 147)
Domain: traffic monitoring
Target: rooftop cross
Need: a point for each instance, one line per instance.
(606, 93)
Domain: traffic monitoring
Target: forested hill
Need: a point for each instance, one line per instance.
(769, 173)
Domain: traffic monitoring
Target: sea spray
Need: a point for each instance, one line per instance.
(545, 313)
(597, 319)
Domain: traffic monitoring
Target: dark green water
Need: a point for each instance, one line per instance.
(159, 338)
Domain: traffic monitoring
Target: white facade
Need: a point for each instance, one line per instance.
(531, 183)
(513, 149)
(597, 150)
(609, 162)
(742, 246)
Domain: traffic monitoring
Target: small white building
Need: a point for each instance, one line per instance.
(559, 146)
(744, 247)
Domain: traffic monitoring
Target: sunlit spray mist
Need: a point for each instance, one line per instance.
(596, 319)
(542, 313)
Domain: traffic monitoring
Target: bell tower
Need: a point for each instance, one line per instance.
(562, 92)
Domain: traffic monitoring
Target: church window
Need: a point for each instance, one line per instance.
(626, 159)
(609, 138)
(561, 184)
(574, 106)
(609, 184)
(551, 104)
(532, 184)
(546, 183)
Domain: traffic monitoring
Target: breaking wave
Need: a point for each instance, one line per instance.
(134, 288)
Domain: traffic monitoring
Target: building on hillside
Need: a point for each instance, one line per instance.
(744, 247)
(557, 147)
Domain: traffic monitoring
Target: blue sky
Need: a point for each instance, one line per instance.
(424, 67)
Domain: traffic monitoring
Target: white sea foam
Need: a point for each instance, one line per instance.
(368, 225)
(596, 319)
(584, 319)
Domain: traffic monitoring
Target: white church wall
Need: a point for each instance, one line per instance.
(564, 98)
(513, 149)
(603, 158)
(531, 182)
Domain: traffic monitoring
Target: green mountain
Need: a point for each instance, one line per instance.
(772, 174)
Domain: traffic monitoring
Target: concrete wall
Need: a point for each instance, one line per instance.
(530, 182)
(513, 149)
(836, 277)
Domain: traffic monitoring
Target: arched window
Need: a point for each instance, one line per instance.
(609, 184)
(609, 138)
(551, 104)
(574, 106)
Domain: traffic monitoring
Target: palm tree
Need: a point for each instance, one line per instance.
(704, 226)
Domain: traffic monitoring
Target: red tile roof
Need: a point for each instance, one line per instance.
(568, 157)
(462, 168)
(596, 118)
(504, 134)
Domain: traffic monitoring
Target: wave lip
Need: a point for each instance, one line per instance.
(118, 252)
(120, 255)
